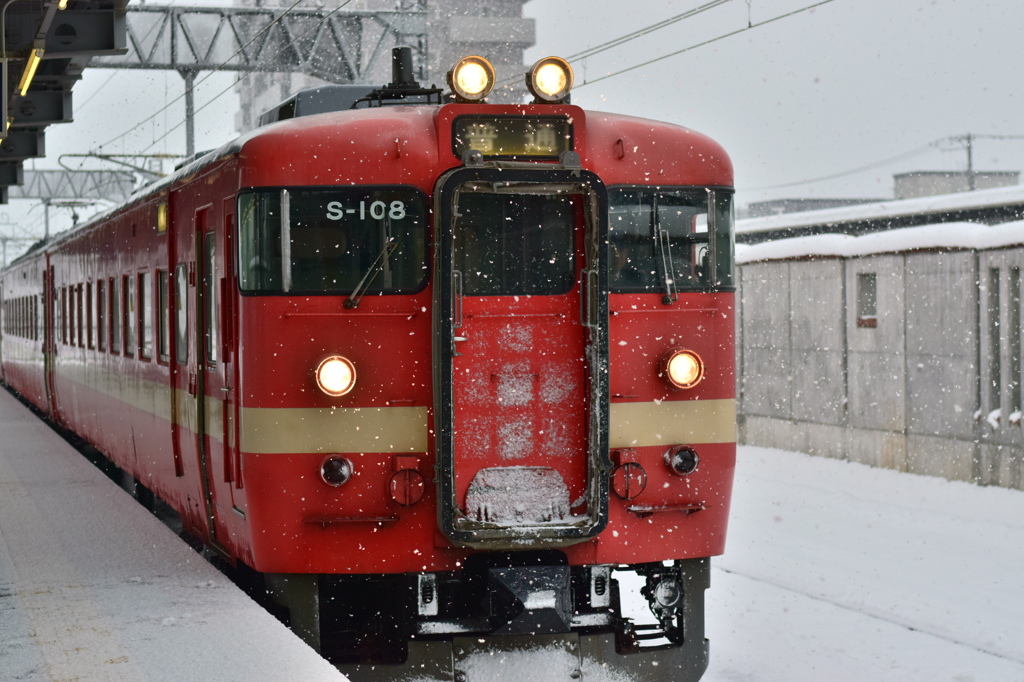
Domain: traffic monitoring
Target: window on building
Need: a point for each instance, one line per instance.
(867, 300)
(994, 341)
(1015, 340)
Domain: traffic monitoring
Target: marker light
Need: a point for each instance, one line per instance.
(550, 80)
(682, 460)
(336, 375)
(684, 369)
(336, 471)
(471, 79)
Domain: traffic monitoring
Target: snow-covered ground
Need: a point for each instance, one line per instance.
(95, 589)
(839, 572)
(834, 572)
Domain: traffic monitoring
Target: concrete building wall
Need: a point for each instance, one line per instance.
(931, 183)
(907, 361)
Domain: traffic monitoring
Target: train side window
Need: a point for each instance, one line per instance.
(101, 304)
(128, 313)
(62, 325)
(163, 319)
(146, 315)
(115, 317)
(89, 320)
(79, 309)
(57, 319)
(181, 313)
(210, 295)
(69, 338)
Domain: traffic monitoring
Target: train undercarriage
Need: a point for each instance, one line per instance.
(527, 612)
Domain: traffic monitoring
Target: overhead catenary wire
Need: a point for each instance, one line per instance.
(918, 151)
(639, 33)
(704, 43)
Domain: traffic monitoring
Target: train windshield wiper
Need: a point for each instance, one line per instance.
(663, 244)
(378, 265)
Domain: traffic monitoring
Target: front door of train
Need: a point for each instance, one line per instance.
(520, 350)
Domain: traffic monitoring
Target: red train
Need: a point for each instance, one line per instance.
(447, 376)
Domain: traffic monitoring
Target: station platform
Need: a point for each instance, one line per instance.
(95, 589)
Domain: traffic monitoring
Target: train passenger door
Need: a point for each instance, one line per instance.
(197, 398)
(521, 342)
(216, 420)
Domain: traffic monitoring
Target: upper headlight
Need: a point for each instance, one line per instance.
(550, 80)
(336, 375)
(684, 369)
(471, 79)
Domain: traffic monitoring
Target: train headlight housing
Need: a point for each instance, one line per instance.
(682, 460)
(550, 80)
(471, 79)
(336, 471)
(683, 368)
(336, 375)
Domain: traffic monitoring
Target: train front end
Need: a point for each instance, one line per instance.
(500, 420)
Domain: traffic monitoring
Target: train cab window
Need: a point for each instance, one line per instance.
(115, 318)
(665, 239)
(128, 313)
(146, 315)
(333, 240)
(519, 244)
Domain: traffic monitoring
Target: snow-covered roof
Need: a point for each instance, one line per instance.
(939, 236)
(877, 210)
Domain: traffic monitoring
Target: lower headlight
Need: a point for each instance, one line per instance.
(684, 369)
(336, 375)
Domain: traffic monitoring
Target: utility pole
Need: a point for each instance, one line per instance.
(970, 163)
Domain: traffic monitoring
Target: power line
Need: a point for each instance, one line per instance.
(615, 42)
(934, 144)
(748, 27)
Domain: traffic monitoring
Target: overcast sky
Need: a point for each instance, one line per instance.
(847, 85)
